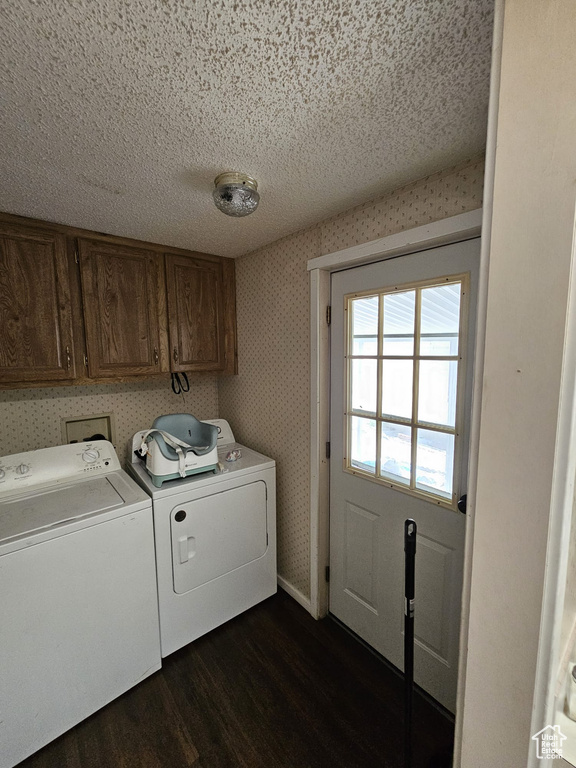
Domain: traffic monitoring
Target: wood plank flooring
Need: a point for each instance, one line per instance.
(270, 689)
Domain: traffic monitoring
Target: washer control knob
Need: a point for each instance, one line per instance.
(22, 469)
(91, 455)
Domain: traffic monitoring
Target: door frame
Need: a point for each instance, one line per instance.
(454, 229)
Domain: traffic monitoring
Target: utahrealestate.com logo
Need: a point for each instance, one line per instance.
(549, 743)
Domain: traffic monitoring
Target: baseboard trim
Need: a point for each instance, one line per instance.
(295, 593)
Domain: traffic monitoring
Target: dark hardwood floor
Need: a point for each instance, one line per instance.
(270, 689)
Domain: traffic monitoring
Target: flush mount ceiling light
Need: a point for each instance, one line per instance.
(235, 193)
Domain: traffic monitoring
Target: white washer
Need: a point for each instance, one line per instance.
(78, 601)
(215, 540)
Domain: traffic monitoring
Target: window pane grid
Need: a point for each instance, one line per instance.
(430, 426)
(403, 357)
(369, 461)
(415, 387)
(379, 387)
(400, 450)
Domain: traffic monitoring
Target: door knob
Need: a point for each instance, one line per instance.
(462, 503)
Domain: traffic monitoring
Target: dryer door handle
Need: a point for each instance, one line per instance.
(186, 548)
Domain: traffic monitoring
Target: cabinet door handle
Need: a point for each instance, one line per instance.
(175, 355)
(155, 356)
(68, 359)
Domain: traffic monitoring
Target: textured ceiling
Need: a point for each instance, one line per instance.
(116, 116)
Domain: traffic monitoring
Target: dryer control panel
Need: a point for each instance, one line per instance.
(60, 463)
(225, 434)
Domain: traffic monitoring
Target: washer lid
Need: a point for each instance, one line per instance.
(56, 506)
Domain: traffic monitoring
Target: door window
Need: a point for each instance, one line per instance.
(404, 374)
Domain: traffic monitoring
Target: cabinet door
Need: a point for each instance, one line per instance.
(195, 313)
(120, 289)
(35, 316)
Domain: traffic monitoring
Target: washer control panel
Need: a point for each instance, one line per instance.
(60, 463)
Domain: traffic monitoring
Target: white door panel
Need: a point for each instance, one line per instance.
(216, 534)
(367, 515)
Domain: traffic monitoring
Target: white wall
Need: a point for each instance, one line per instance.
(533, 223)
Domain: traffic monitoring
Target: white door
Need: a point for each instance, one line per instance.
(401, 381)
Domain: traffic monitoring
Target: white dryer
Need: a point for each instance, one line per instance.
(215, 540)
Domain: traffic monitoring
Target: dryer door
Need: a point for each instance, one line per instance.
(216, 534)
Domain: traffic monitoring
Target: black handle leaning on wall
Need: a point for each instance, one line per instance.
(410, 530)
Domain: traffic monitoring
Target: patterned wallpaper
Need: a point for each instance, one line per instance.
(30, 418)
(268, 403)
(444, 194)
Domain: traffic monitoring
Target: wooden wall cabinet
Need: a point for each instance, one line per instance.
(195, 313)
(121, 287)
(36, 338)
(81, 307)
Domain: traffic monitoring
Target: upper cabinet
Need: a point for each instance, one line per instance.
(80, 307)
(195, 313)
(121, 287)
(36, 343)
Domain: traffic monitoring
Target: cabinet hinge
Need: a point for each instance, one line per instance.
(327, 573)
(86, 361)
(328, 315)
(327, 450)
